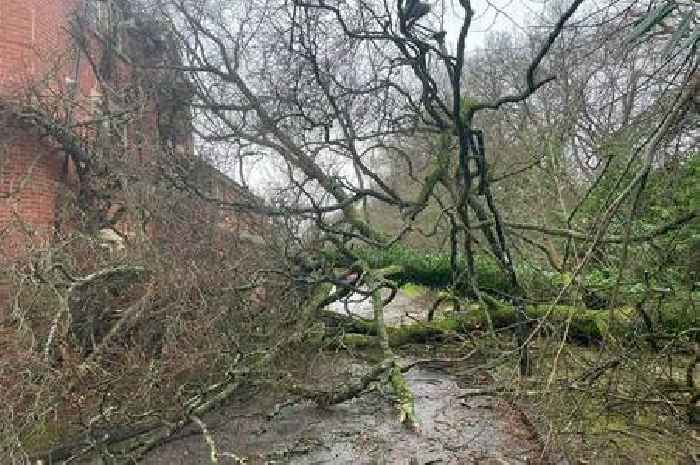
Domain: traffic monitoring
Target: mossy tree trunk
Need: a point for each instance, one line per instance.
(405, 401)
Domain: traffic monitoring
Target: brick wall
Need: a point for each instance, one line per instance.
(33, 52)
(30, 176)
(33, 39)
(37, 57)
(36, 52)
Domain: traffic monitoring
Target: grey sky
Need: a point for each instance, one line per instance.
(490, 16)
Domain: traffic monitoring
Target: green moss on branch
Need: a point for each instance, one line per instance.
(585, 325)
(405, 400)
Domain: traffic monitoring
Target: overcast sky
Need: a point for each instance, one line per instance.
(490, 16)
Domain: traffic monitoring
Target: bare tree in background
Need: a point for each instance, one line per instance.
(322, 86)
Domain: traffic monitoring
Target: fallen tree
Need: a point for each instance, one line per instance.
(584, 325)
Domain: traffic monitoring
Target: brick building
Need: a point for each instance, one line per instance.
(55, 58)
(33, 39)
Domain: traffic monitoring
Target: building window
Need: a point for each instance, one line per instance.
(111, 128)
(96, 14)
(104, 17)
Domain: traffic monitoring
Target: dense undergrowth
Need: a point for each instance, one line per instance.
(600, 391)
(609, 384)
(670, 308)
(114, 355)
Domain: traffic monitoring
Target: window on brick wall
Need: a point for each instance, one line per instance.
(118, 131)
(95, 13)
(217, 191)
(104, 16)
(111, 127)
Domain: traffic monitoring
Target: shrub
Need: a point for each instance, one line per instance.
(430, 268)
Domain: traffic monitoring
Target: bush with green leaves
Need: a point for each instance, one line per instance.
(430, 269)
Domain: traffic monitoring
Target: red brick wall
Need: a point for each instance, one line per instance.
(30, 176)
(33, 53)
(36, 53)
(33, 39)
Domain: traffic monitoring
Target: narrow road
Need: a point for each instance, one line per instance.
(454, 429)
